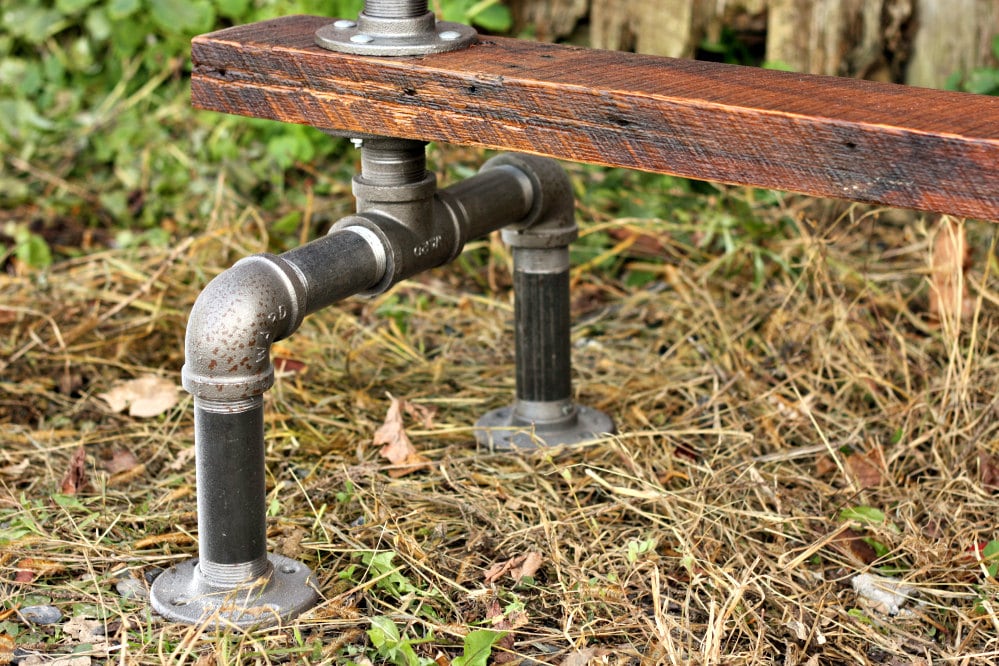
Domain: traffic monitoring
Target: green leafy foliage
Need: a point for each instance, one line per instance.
(391, 646)
(31, 249)
(868, 516)
(478, 647)
(490, 15)
(95, 94)
(981, 81)
(638, 549)
(991, 556)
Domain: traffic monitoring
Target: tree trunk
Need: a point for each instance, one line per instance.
(953, 36)
(921, 42)
(550, 20)
(672, 28)
(837, 37)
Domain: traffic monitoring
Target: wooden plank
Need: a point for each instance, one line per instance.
(857, 140)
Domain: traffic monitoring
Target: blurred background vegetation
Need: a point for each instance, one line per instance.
(101, 147)
(99, 142)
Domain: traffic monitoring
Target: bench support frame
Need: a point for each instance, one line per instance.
(403, 226)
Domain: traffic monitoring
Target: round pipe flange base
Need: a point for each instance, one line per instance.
(181, 594)
(358, 38)
(501, 429)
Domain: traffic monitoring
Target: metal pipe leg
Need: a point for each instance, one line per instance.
(543, 413)
(234, 580)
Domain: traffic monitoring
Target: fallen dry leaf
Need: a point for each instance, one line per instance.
(6, 648)
(122, 465)
(395, 443)
(285, 360)
(288, 366)
(15, 470)
(532, 562)
(82, 630)
(75, 479)
(145, 396)
(850, 543)
(119, 460)
(501, 623)
(31, 568)
(518, 567)
(866, 468)
(182, 459)
(638, 244)
(422, 413)
(157, 539)
(587, 657)
(825, 465)
(988, 470)
(949, 262)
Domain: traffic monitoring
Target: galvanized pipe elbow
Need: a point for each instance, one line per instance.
(551, 220)
(235, 319)
(264, 298)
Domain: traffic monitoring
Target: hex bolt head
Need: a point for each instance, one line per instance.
(362, 39)
(344, 24)
(449, 35)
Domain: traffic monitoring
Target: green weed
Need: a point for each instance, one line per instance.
(981, 81)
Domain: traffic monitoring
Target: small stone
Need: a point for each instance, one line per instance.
(130, 588)
(41, 614)
(152, 574)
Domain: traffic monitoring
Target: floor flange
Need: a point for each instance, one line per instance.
(502, 429)
(181, 594)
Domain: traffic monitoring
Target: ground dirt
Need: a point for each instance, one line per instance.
(782, 430)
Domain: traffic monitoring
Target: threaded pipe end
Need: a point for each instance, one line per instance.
(228, 576)
(400, 9)
(393, 162)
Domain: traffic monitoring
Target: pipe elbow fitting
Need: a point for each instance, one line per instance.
(235, 319)
(551, 221)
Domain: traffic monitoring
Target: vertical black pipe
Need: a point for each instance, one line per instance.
(232, 511)
(541, 314)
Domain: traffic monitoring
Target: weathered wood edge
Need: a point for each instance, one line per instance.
(857, 140)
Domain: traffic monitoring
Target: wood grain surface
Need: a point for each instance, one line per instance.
(825, 136)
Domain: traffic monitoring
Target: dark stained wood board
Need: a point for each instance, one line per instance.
(858, 140)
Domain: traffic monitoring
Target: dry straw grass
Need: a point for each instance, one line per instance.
(708, 532)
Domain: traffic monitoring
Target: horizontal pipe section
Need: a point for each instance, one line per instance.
(338, 265)
(494, 198)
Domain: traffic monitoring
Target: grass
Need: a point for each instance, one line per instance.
(783, 400)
